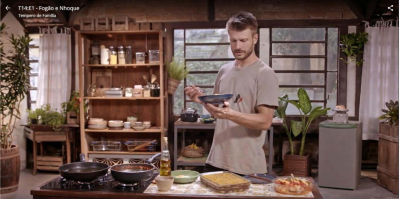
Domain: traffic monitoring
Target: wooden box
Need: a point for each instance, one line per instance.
(145, 26)
(120, 23)
(72, 117)
(49, 162)
(133, 25)
(156, 26)
(87, 23)
(103, 23)
(388, 157)
(297, 165)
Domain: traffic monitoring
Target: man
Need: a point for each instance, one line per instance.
(238, 137)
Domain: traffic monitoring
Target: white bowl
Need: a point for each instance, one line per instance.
(96, 119)
(146, 122)
(116, 122)
(97, 126)
(147, 126)
(138, 128)
(164, 183)
(97, 123)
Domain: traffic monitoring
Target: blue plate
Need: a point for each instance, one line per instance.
(215, 99)
(258, 181)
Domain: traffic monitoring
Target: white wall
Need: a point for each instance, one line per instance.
(14, 27)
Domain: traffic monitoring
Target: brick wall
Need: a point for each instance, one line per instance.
(196, 10)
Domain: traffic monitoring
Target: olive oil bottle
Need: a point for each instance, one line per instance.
(165, 164)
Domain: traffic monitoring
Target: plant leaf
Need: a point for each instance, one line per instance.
(296, 127)
(317, 112)
(304, 101)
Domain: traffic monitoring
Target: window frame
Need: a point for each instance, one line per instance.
(341, 24)
(31, 88)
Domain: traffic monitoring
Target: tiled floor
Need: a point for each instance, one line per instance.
(368, 189)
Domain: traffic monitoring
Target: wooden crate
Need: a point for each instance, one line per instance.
(388, 157)
(103, 23)
(49, 161)
(87, 23)
(297, 165)
(72, 117)
(156, 26)
(120, 23)
(133, 25)
(145, 26)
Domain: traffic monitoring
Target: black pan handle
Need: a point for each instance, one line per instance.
(82, 157)
(153, 157)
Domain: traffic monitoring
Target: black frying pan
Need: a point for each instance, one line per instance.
(83, 171)
(133, 173)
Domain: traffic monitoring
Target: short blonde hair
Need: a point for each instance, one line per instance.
(242, 21)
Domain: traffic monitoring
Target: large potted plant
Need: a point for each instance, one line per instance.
(48, 116)
(388, 148)
(176, 73)
(14, 86)
(297, 162)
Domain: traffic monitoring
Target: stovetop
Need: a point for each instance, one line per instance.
(105, 183)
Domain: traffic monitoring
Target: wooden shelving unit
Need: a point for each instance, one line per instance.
(151, 109)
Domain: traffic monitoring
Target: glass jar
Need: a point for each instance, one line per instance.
(91, 90)
(128, 55)
(138, 91)
(165, 164)
(154, 56)
(155, 92)
(121, 55)
(140, 56)
(146, 91)
(113, 55)
(95, 48)
(128, 92)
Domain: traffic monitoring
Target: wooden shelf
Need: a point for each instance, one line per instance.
(123, 152)
(90, 32)
(123, 131)
(124, 98)
(119, 65)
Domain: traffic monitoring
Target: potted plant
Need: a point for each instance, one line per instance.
(33, 117)
(53, 117)
(298, 164)
(71, 108)
(14, 86)
(352, 45)
(388, 148)
(176, 73)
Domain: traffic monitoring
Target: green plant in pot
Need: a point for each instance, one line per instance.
(391, 114)
(352, 45)
(299, 164)
(52, 117)
(176, 73)
(14, 87)
(71, 108)
(33, 116)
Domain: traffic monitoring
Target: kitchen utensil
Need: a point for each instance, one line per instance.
(131, 145)
(106, 145)
(215, 99)
(189, 115)
(164, 183)
(83, 171)
(153, 78)
(237, 98)
(184, 176)
(127, 125)
(225, 188)
(144, 145)
(139, 128)
(133, 173)
(260, 178)
(145, 78)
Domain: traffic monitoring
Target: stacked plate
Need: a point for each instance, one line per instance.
(116, 123)
(97, 123)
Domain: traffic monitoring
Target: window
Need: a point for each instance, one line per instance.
(204, 51)
(34, 64)
(301, 57)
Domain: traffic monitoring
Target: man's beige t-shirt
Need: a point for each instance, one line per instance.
(237, 148)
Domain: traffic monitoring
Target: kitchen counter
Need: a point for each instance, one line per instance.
(47, 191)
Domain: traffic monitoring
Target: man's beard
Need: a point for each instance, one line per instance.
(244, 55)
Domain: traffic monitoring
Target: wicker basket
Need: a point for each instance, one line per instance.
(193, 153)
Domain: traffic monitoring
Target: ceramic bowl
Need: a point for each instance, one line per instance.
(164, 183)
(147, 122)
(184, 176)
(146, 126)
(138, 128)
(97, 123)
(96, 126)
(215, 99)
(115, 123)
(138, 123)
(96, 119)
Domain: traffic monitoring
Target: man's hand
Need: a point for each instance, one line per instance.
(193, 93)
(221, 113)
